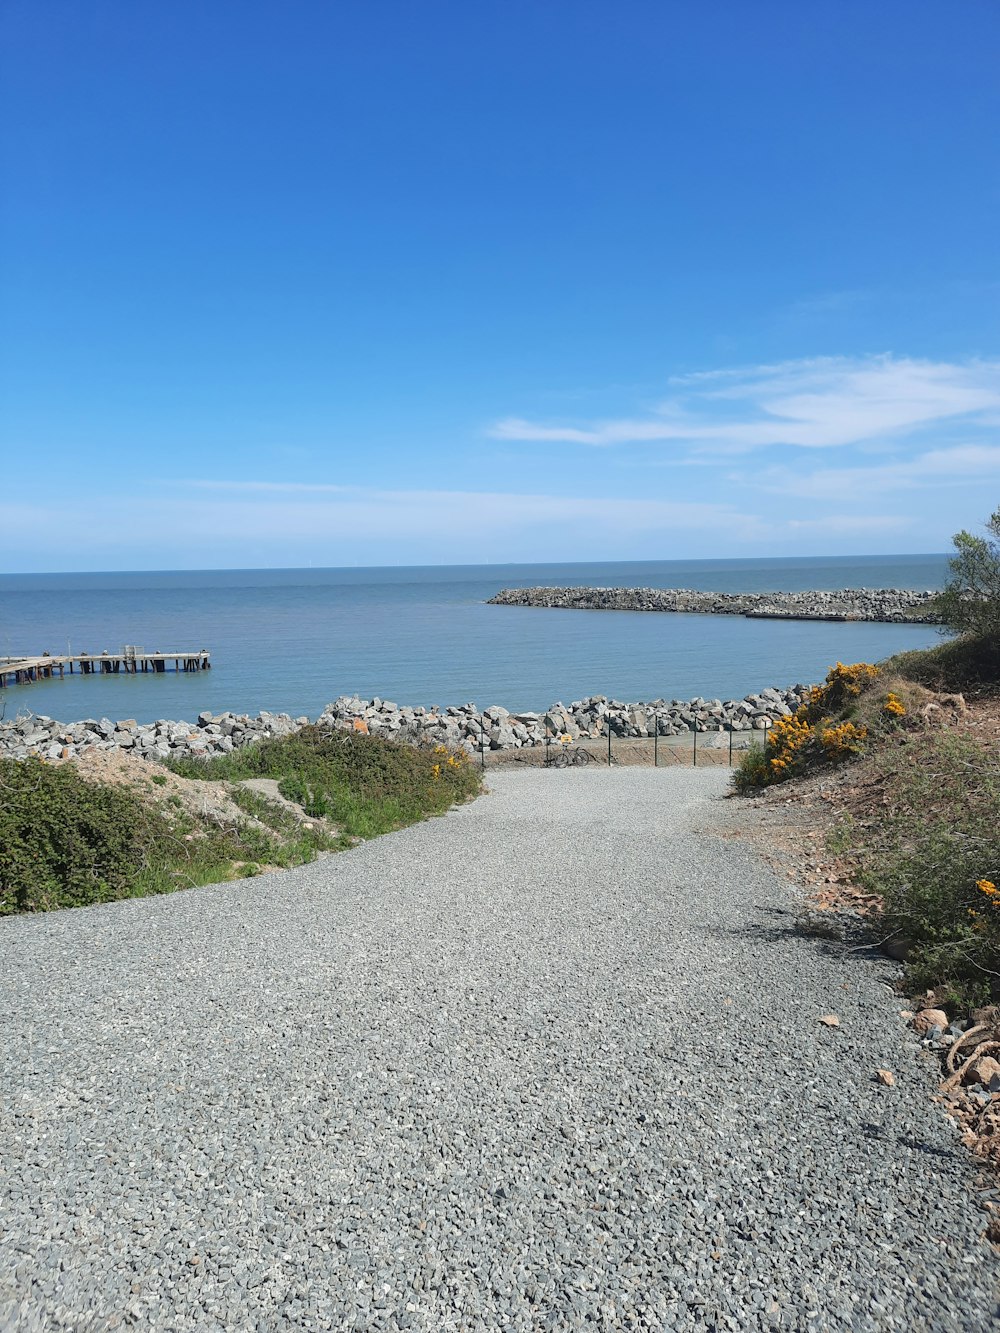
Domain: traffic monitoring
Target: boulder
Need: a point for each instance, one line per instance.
(930, 1018)
(984, 1071)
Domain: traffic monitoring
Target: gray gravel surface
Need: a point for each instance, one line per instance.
(551, 1062)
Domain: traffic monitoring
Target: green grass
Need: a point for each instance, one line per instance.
(66, 841)
(364, 785)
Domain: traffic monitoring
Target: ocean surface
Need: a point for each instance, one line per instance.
(290, 640)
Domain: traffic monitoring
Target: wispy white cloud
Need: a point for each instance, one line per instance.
(342, 521)
(251, 523)
(828, 303)
(267, 487)
(935, 468)
(809, 404)
(848, 525)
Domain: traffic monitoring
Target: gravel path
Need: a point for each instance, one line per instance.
(552, 1062)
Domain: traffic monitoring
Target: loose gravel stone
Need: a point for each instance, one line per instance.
(550, 1062)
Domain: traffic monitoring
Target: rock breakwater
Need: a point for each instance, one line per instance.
(36, 734)
(495, 728)
(881, 604)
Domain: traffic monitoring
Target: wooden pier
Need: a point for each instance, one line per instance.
(129, 661)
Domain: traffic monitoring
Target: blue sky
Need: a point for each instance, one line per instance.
(392, 283)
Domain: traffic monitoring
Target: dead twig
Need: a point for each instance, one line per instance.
(962, 1040)
(959, 1074)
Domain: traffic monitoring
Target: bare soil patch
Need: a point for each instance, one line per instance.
(206, 800)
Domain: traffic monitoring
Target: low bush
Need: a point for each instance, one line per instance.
(931, 854)
(934, 858)
(970, 664)
(364, 784)
(70, 841)
(66, 841)
(834, 724)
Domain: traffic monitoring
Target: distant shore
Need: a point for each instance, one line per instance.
(885, 605)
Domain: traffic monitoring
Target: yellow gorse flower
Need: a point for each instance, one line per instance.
(848, 681)
(809, 731)
(786, 739)
(843, 739)
(989, 890)
(455, 761)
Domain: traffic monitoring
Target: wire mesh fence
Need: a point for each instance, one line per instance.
(692, 749)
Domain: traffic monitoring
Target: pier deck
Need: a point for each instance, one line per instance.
(129, 661)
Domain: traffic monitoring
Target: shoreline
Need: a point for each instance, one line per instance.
(881, 605)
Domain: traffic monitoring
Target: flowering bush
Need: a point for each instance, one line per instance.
(982, 921)
(818, 731)
(455, 760)
(787, 743)
(845, 683)
(843, 740)
(893, 707)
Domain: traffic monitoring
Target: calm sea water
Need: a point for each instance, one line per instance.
(291, 640)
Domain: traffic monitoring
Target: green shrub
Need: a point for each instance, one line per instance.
(969, 663)
(834, 724)
(935, 860)
(751, 772)
(970, 601)
(68, 842)
(364, 784)
(65, 842)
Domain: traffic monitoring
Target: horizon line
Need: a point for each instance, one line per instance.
(495, 564)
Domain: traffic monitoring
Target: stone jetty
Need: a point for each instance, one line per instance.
(465, 725)
(36, 734)
(881, 604)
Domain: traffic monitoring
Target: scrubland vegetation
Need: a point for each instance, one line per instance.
(926, 838)
(68, 841)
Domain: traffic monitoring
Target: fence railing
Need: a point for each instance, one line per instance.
(690, 749)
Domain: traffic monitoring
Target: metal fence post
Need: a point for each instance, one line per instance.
(609, 740)
(656, 740)
(730, 745)
(482, 743)
(694, 758)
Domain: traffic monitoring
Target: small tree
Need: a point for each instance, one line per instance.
(970, 601)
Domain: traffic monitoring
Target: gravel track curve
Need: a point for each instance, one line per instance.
(550, 1062)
